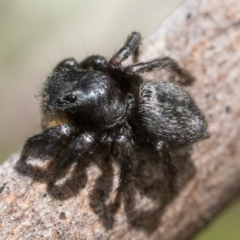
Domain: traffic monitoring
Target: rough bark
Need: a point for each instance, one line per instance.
(203, 36)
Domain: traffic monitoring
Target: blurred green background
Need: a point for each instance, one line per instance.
(35, 35)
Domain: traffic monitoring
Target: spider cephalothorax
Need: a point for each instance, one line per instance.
(99, 102)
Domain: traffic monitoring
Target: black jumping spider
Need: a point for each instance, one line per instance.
(98, 102)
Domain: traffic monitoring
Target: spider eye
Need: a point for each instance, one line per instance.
(70, 98)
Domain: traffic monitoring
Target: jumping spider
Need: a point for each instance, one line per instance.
(98, 102)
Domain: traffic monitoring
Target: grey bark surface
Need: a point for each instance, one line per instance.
(203, 36)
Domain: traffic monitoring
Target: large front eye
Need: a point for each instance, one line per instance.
(70, 98)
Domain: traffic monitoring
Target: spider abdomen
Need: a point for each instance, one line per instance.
(166, 112)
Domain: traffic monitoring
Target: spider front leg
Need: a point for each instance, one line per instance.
(125, 151)
(76, 150)
(161, 63)
(129, 48)
(68, 63)
(95, 62)
(49, 135)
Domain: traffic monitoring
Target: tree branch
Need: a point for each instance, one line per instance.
(203, 36)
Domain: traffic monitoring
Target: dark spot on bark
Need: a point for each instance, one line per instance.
(208, 95)
(222, 63)
(2, 188)
(44, 195)
(227, 109)
(189, 15)
(100, 237)
(40, 222)
(62, 216)
(211, 47)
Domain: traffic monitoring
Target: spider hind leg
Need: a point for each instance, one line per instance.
(162, 63)
(170, 168)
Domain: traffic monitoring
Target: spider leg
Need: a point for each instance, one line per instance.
(61, 132)
(68, 63)
(170, 168)
(126, 153)
(95, 62)
(161, 63)
(77, 149)
(129, 48)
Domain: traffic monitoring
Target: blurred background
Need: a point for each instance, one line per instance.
(35, 35)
